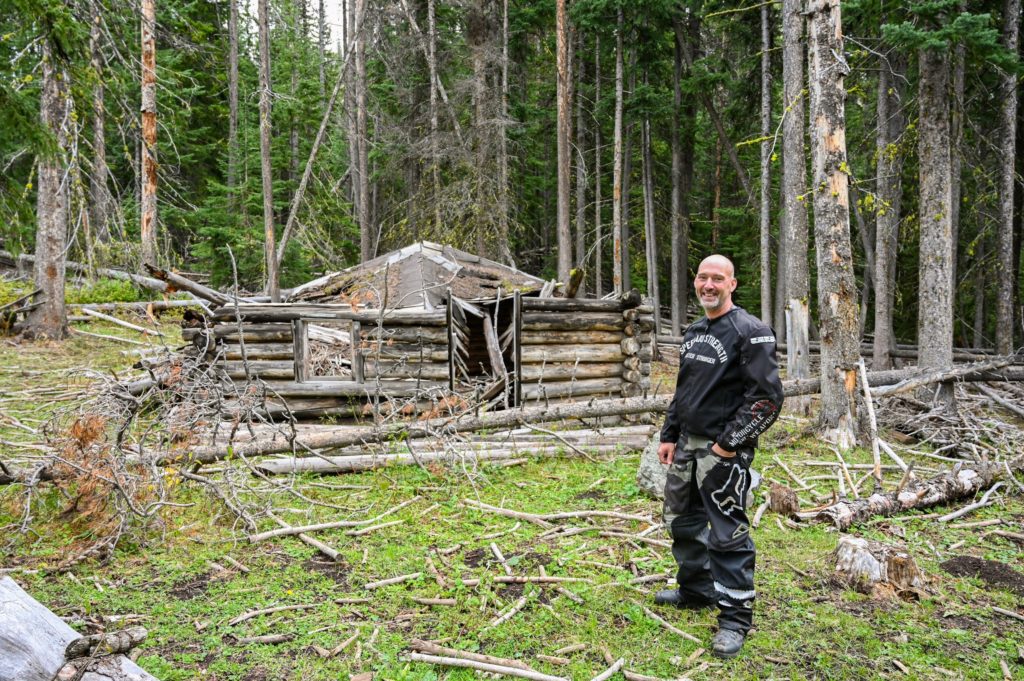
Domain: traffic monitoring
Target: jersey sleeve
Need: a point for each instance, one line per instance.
(762, 397)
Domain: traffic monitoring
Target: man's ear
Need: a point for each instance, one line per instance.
(735, 283)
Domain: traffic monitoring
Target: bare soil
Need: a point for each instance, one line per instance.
(992, 572)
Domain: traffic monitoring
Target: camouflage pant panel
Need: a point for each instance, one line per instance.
(705, 513)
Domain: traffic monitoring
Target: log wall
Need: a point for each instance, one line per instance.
(580, 349)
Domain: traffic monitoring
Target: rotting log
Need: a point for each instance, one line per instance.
(589, 386)
(535, 354)
(561, 371)
(962, 482)
(287, 312)
(881, 570)
(177, 282)
(571, 338)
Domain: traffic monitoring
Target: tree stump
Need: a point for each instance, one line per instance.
(880, 570)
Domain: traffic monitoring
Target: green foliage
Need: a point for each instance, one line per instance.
(105, 290)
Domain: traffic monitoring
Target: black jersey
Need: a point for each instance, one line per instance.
(728, 386)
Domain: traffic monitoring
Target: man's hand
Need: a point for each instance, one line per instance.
(666, 452)
(721, 452)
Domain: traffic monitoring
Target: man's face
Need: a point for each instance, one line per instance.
(714, 284)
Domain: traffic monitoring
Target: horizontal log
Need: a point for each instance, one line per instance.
(572, 305)
(570, 337)
(572, 324)
(406, 334)
(535, 354)
(389, 370)
(559, 371)
(590, 386)
(260, 351)
(408, 353)
(389, 388)
(145, 282)
(266, 333)
(266, 370)
(540, 317)
(349, 464)
(281, 312)
(177, 282)
(140, 306)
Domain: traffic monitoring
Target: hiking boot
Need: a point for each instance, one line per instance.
(727, 643)
(677, 600)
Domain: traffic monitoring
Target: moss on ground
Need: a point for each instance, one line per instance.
(806, 626)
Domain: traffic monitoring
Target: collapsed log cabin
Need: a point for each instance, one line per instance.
(429, 325)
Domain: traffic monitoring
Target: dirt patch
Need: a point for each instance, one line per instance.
(992, 572)
(474, 558)
(258, 674)
(337, 572)
(191, 588)
(512, 590)
(592, 494)
(532, 558)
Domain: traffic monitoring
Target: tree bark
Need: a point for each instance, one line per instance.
(269, 259)
(49, 320)
(935, 283)
(650, 232)
(617, 270)
(232, 102)
(598, 234)
(581, 165)
(794, 171)
(564, 112)
(362, 143)
(99, 215)
(889, 190)
(766, 151)
(1007, 142)
(837, 294)
(504, 249)
(149, 167)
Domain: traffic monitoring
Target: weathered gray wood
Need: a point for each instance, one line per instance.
(283, 370)
(571, 337)
(533, 354)
(435, 371)
(572, 305)
(300, 351)
(349, 388)
(629, 346)
(572, 323)
(178, 282)
(32, 639)
(260, 351)
(559, 371)
(544, 317)
(590, 386)
(109, 668)
(358, 358)
(493, 348)
(406, 334)
(252, 333)
(286, 312)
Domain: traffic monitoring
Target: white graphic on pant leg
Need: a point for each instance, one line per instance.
(731, 495)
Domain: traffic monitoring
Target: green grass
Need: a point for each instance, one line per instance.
(806, 627)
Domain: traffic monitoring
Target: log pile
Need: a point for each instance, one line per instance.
(570, 348)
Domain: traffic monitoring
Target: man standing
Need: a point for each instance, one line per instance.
(728, 392)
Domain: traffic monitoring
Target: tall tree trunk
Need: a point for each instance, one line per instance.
(435, 151)
(321, 42)
(581, 165)
(504, 249)
(889, 190)
(956, 120)
(49, 320)
(293, 119)
(716, 200)
(794, 180)
(627, 191)
(232, 103)
(837, 293)
(935, 283)
(650, 233)
(598, 235)
(362, 143)
(564, 112)
(766, 158)
(981, 273)
(349, 13)
(617, 278)
(267, 170)
(1008, 138)
(678, 273)
(148, 204)
(99, 215)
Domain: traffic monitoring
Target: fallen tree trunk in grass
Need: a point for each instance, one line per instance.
(176, 282)
(544, 414)
(145, 282)
(962, 482)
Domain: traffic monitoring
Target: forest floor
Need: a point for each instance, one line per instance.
(177, 580)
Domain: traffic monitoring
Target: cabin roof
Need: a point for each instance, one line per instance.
(417, 276)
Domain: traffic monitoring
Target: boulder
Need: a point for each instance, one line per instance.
(651, 475)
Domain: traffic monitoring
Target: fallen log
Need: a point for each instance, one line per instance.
(176, 282)
(540, 414)
(962, 482)
(145, 282)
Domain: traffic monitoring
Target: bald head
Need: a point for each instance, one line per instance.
(718, 261)
(714, 284)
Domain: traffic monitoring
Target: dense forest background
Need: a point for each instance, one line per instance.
(447, 122)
